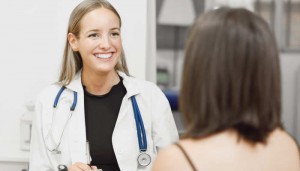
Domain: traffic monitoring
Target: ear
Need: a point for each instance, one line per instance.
(73, 42)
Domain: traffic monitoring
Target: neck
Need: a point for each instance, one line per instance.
(99, 84)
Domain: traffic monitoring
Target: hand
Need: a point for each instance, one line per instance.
(78, 166)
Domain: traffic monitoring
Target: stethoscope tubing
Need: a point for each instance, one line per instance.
(50, 133)
(141, 133)
(59, 94)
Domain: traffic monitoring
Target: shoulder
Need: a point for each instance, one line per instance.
(280, 144)
(133, 81)
(50, 88)
(143, 83)
(147, 86)
(283, 138)
(169, 158)
(48, 92)
(143, 86)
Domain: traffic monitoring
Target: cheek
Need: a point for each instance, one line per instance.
(86, 46)
(117, 44)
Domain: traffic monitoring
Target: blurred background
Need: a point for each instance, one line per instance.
(174, 17)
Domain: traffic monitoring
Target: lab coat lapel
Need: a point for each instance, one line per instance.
(76, 84)
(78, 130)
(132, 90)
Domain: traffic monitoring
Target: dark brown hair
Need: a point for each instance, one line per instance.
(231, 76)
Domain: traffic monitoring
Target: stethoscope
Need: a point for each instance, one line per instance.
(143, 159)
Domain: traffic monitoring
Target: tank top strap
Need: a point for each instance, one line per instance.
(186, 156)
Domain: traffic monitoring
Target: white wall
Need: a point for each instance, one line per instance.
(210, 4)
(31, 40)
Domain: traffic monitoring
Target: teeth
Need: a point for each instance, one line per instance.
(104, 56)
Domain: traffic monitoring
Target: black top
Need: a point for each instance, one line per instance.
(101, 114)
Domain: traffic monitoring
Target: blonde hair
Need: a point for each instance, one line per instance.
(72, 61)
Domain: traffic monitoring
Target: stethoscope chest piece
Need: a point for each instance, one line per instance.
(62, 167)
(56, 152)
(144, 159)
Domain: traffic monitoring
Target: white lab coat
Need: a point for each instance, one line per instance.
(154, 107)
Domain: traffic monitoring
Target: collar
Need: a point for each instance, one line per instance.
(76, 84)
(131, 84)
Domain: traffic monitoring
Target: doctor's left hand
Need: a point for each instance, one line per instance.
(78, 166)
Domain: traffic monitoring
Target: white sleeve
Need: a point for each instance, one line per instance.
(164, 129)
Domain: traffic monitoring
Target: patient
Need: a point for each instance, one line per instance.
(231, 99)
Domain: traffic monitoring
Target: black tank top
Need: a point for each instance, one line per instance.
(101, 113)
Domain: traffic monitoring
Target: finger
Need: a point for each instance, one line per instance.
(74, 168)
(78, 166)
(94, 167)
(84, 166)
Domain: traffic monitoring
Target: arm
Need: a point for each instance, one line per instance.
(164, 129)
(168, 159)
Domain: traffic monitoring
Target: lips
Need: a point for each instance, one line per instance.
(104, 55)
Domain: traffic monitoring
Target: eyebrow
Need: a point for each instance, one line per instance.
(97, 30)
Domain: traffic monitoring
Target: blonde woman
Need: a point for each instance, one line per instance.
(96, 115)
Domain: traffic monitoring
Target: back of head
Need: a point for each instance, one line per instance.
(231, 76)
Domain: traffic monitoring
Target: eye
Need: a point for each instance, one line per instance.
(93, 35)
(115, 34)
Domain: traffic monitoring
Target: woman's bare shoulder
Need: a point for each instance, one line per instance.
(169, 158)
(284, 144)
(283, 139)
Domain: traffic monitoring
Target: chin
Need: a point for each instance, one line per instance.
(105, 69)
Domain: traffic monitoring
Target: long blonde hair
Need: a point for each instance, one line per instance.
(72, 61)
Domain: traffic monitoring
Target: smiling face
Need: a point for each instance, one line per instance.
(99, 41)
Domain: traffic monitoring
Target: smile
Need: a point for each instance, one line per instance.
(104, 55)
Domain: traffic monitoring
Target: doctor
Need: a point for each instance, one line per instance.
(96, 111)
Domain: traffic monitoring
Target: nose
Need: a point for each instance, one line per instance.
(104, 42)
